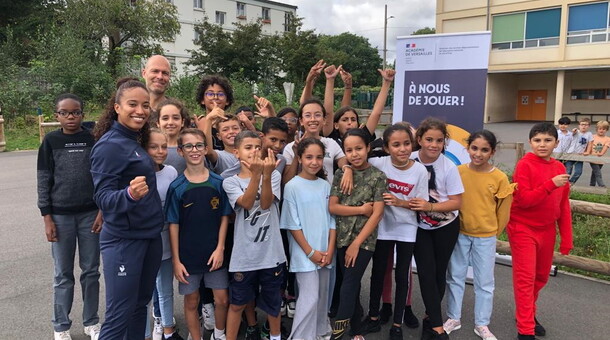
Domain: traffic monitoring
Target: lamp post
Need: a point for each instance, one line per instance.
(385, 34)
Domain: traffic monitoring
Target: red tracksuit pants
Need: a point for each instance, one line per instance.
(532, 252)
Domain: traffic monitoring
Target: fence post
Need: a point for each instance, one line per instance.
(2, 139)
(520, 150)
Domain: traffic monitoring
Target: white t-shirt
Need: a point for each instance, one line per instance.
(224, 161)
(333, 153)
(400, 224)
(164, 178)
(565, 141)
(580, 142)
(447, 182)
(257, 242)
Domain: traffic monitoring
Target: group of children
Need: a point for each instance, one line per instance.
(209, 203)
(581, 141)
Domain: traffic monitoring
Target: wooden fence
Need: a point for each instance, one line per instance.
(42, 125)
(573, 261)
(2, 138)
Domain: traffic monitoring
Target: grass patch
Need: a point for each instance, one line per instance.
(593, 198)
(591, 240)
(24, 138)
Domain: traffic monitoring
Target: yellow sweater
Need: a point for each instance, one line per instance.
(486, 202)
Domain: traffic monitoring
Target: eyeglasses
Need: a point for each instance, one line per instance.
(291, 120)
(212, 95)
(189, 147)
(68, 113)
(316, 115)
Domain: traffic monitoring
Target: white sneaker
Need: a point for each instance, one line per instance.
(283, 307)
(291, 308)
(223, 337)
(484, 333)
(209, 321)
(452, 325)
(93, 331)
(65, 335)
(157, 333)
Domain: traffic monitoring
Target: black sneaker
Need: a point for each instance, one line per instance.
(385, 313)
(525, 337)
(395, 333)
(431, 334)
(409, 318)
(539, 329)
(369, 326)
(253, 333)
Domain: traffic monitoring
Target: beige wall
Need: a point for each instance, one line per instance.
(471, 15)
(586, 80)
(501, 104)
(477, 23)
(458, 5)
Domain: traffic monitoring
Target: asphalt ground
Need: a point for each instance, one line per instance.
(570, 307)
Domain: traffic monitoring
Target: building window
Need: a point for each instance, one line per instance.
(588, 23)
(265, 16)
(196, 36)
(526, 29)
(241, 10)
(198, 3)
(287, 21)
(220, 18)
(590, 94)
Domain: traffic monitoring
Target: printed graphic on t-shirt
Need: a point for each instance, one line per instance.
(399, 187)
(582, 141)
(256, 224)
(434, 219)
(598, 147)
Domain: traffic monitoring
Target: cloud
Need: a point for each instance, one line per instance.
(365, 18)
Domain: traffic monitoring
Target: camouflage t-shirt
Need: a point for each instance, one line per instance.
(369, 186)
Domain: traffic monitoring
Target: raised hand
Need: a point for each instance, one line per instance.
(332, 71)
(387, 74)
(269, 164)
(264, 108)
(346, 77)
(315, 71)
(138, 187)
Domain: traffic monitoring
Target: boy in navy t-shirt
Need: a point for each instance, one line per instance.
(198, 211)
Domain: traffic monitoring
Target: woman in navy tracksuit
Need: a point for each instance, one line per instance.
(126, 193)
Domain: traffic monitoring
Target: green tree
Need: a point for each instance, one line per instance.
(356, 55)
(244, 54)
(425, 30)
(20, 24)
(296, 51)
(117, 30)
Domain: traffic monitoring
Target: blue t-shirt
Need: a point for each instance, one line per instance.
(305, 208)
(198, 209)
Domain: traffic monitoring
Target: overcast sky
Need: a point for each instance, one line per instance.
(365, 18)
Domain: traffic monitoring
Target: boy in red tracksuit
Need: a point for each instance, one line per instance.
(540, 205)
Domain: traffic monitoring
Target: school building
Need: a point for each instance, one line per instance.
(548, 57)
(275, 18)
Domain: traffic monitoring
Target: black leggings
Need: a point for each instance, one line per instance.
(350, 285)
(432, 252)
(404, 252)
